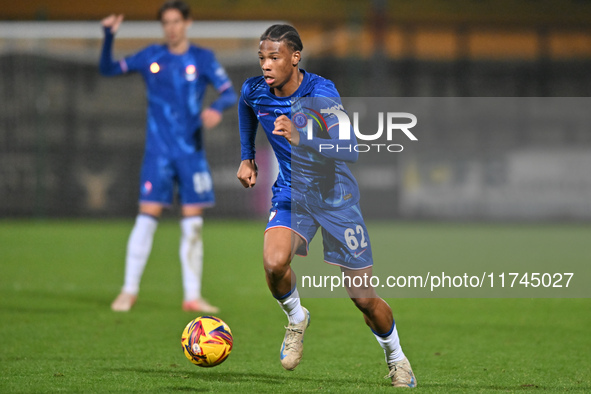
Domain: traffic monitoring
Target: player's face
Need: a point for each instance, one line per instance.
(277, 62)
(174, 26)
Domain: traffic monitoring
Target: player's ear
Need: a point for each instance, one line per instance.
(295, 58)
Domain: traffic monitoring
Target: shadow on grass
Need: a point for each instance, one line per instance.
(58, 301)
(65, 301)
(279, 380)
(467, 387)
(226, 377)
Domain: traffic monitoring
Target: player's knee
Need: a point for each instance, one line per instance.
(276, 262)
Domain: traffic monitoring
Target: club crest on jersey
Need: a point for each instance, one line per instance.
(190, 72)
(300, 119)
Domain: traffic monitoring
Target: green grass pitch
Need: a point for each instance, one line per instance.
(57, 333)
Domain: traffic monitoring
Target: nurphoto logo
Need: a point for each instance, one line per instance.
(395, 122)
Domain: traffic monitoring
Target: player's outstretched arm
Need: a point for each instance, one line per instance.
(247, 173)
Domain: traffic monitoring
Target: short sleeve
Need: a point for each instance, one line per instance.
(136, 62)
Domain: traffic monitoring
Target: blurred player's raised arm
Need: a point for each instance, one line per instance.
(110, 26)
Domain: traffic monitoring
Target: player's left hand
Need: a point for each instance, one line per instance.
(113, 22)
(210, 118)
(284, 127)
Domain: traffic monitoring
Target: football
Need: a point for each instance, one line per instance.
(207, 341)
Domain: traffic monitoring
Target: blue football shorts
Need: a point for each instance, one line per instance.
(344, 235)
(190, 174)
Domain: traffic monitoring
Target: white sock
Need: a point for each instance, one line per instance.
(191, 253)
(292, 307)
(139, 247)
(391, 345)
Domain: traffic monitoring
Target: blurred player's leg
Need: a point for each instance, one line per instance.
(191, 254)
(139, 247)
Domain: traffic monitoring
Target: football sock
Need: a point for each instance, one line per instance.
(290, 303)
(191, 254)
(391, 344)
(139, 246)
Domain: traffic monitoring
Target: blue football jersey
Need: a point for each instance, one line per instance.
(305, 175)
(176, 85)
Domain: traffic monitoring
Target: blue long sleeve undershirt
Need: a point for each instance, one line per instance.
(248, 124)
(106, 65)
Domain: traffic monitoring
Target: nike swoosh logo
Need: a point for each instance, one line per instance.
(282, 349)
(359, 254)
(262, 113)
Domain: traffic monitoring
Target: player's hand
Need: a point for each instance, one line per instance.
(284, 128)
(113, 21)
(210, 118)
(247, 173)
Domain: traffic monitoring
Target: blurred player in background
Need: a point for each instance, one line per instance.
(176, 75)
(312, 190)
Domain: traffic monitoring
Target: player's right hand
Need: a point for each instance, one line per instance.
(113, 21)
(247, 173)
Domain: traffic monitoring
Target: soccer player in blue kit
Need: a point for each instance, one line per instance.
(176, 75)
(309, 197)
